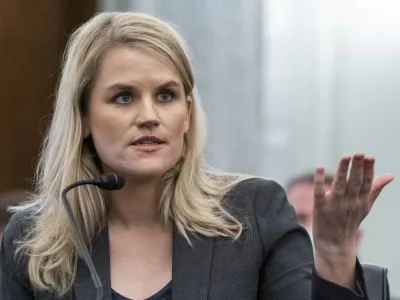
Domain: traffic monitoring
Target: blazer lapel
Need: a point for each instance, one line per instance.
(191, 267)
(100, 253)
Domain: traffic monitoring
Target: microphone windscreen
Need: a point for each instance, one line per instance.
(110, 182)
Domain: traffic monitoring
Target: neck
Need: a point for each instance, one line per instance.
(136, 204)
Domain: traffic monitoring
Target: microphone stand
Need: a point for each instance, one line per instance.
(81, 242)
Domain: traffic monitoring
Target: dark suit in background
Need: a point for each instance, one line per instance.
(271, 260)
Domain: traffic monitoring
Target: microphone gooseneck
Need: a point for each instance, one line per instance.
(108, 182)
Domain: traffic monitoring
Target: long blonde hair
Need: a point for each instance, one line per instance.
(192, 193)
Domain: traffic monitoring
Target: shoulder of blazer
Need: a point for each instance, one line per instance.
(15, 230)
(17, 226)
(258, 204)
(261, 194)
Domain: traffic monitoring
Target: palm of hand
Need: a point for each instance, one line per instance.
(339, 212)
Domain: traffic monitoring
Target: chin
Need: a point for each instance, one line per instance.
(147, 172)
(142, 169)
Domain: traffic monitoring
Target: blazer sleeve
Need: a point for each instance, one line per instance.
(14, 281)
(287, 270)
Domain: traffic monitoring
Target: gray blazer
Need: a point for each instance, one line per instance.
(273, 259)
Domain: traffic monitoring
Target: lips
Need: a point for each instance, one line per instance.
(148, 140)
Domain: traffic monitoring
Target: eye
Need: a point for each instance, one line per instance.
(124, 98)
(166, 95)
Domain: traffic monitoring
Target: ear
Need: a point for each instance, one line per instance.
(85, 127)
(189, 104)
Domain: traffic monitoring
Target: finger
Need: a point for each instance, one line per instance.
(339, 183)
(368, 176)
(319, 182)
(356, 175)
(377, 186)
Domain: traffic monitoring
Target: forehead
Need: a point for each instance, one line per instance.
(121, 64)
(301, 195)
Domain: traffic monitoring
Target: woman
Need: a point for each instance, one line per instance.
(126, 103)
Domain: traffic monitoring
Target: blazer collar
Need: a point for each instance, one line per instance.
(100, 253)
(191, 267)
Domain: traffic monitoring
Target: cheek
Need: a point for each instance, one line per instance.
(177, 126)
(106, 132)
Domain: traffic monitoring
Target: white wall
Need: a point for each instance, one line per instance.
(332, 72)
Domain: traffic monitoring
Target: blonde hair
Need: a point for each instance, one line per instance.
(192, 193)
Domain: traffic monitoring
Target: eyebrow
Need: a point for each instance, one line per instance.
(171, 83)
(121, 86)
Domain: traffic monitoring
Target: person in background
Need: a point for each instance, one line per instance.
(7, 199)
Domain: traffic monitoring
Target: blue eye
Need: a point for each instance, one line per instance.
(165, 96)
(124, 98)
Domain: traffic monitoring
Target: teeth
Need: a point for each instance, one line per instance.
(147, 143)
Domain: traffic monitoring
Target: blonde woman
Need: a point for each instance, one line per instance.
(126, 103)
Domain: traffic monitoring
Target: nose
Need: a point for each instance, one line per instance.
(147, 117)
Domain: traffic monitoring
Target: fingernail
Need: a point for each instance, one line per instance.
(369, 158)
(359, 156)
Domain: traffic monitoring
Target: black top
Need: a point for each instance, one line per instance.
(272, 259)
(164, 294)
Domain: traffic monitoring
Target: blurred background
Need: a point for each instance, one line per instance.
(286, 84)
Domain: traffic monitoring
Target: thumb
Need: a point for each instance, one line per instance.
(378, 185)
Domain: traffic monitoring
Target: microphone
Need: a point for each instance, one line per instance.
(107, 182)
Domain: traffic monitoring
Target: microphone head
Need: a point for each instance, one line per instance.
(110, 182)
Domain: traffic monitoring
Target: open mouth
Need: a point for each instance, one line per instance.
(148, 141)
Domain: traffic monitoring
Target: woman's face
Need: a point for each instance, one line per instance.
(138, 114)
